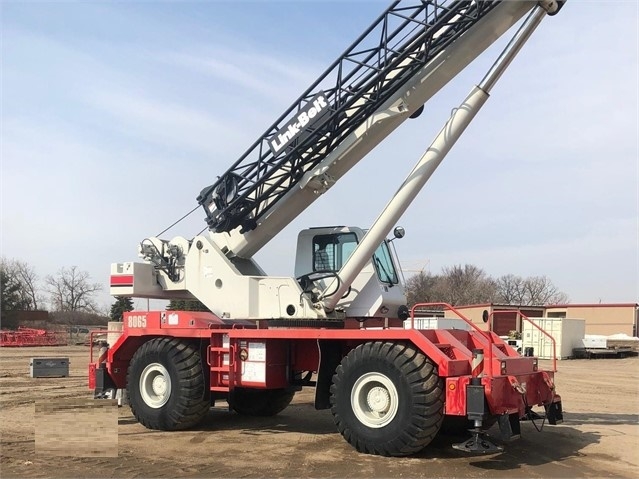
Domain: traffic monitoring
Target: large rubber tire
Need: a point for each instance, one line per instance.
(387, 399)
(260, 402)
(166, 386)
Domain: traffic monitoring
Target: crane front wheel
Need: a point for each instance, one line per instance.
(165, 385)
(387, 399)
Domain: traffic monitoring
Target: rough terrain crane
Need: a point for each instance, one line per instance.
(341, 324)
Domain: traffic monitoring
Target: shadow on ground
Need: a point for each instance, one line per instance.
(552, 444)
(300, 418)
(601, 418)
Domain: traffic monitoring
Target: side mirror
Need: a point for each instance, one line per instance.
(399, 232)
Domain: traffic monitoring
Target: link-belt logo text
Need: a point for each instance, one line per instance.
(304, 118)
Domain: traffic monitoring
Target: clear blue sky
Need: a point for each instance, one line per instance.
(116, 114)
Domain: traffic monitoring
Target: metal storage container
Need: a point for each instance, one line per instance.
(568, 334)
(49, 367)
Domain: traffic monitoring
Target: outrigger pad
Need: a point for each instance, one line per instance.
(104, 385)
(105, 393)
(509, 427)
(531, 415)
(478, 444)
(554, 413)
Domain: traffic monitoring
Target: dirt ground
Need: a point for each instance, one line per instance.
(599, 437)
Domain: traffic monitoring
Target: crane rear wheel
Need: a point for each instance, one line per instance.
(387, 399)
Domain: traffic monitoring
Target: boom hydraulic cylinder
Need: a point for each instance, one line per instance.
(430, 160)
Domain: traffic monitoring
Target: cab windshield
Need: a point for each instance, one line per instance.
(330, 252)
(384, 265)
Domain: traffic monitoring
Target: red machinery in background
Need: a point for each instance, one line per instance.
(23, 337)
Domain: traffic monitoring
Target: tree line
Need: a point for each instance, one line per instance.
(469, 284)
(70, 289)
(69, 295)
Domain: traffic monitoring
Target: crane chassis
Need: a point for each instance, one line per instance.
(341, 325)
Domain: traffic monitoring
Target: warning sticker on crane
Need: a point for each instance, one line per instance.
(254, 362)
(302, 120)
(253, 373)
(257, 351)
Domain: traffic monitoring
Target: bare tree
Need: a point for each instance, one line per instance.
(511, 290)
(469, 284)
(540, 291)
(531, 291)
(72, 290)
(420, 288)
(23, 275)
(466, 284)
(9, 293)
(29, 280)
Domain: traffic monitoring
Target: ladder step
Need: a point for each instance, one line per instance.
(217, 355)
(219, 349)
(222, 389)
(222, 369)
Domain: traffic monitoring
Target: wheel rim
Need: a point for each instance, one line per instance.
(374, 400)
(155, 385)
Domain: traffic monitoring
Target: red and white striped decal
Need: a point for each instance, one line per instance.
(122, 280)
(102, 355)
(477, 366)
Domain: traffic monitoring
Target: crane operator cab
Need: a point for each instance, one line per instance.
(376, 292)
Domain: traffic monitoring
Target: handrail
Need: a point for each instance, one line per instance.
(491, 342)
(96, 332)
(523, 316)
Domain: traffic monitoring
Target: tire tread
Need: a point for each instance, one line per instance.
(192, 403)
(427, 395)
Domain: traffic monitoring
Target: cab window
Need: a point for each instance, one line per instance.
(384, 265)
(330, 252)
